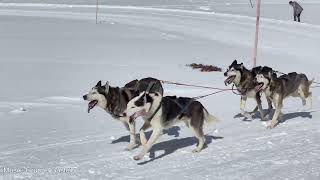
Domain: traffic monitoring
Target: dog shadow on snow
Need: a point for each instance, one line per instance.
(170, 146)
(173, 131)
(173, 145)
(285, 117)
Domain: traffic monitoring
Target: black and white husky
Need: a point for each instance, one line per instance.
(163, 112)
(114, 100)
(277, 89)
(244, 80)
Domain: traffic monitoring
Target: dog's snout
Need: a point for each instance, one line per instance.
(225, 74)
(85, 97)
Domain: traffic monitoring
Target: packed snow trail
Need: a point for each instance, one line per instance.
(52, 57)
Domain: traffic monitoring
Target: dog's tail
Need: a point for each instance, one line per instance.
(210, 119)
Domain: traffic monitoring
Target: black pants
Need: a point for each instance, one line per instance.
(297, 16)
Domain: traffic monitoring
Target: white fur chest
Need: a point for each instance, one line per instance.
(268, 92)
(251, 93)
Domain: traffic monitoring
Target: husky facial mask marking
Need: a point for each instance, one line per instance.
(139, 106)
(97, 96)
(262, 82)
(263, 79)
(233, 73)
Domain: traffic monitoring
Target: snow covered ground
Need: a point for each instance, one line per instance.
(52, 55)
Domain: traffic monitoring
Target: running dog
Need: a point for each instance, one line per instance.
(163, 112)
(243, 79)
(114, 100)
(279, 88)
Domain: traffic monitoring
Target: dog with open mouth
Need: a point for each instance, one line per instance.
(163, 112)
(244, 80)
(114, 100)
(277, 89)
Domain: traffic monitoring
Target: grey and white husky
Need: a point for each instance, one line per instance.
(279, 88)
(114, 100)
(163, 112)
(244, 80)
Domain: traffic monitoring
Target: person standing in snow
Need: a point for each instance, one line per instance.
(297, 10)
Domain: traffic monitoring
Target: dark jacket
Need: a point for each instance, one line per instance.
(297, 9)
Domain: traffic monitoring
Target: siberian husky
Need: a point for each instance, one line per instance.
(279, 88)
(163, 112)
(114, 100)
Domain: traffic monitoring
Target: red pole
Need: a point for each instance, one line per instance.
(256, 39)
(97, 8)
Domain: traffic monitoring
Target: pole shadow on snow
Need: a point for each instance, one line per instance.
(173, 131)
(173, 145)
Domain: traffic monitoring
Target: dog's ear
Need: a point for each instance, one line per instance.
(241, 66)
(98, 84)
(234, 62)
(107, 87)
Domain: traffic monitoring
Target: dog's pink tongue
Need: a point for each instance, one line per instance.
(91, 105)
(140, 113)
(89, 109)
(226, 81)
(136, 115)
(258, 88)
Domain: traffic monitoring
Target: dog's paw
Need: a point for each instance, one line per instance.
(272, 125)
(137, 158)
(248, 115)
(265, 118)
(196, 151)
(129, 147)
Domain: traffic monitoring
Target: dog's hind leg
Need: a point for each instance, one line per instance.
(309, 100)
(307, 95)
(143, 138)
(198, 132)
(155, 135)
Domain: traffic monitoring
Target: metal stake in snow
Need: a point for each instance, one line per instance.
(256, 35)
(97, 8)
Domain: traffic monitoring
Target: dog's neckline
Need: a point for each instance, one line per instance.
(155, 112)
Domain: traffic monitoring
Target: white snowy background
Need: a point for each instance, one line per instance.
(52, 52)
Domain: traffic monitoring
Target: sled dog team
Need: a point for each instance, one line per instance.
(144, 98)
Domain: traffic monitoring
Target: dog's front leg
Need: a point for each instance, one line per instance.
(259, 104)
(143, 138)
(155, 135)
(132, 129)
(242, 104)
(269, 106)
(278, 106)
(253, 112)
(242, 107)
